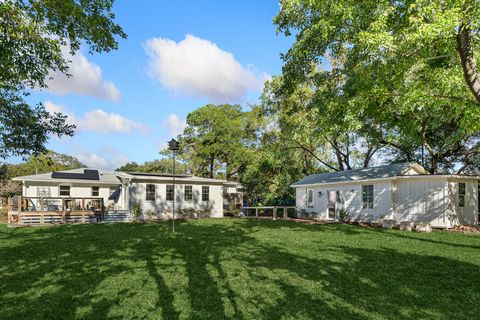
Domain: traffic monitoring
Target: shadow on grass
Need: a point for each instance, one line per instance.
(219, 269)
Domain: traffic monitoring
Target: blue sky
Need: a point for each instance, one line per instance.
(179, 55)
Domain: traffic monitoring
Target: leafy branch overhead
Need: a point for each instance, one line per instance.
(33, 37)
(402, 75)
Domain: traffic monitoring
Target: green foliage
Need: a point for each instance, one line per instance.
(189, 213)
(33, 37)
(272, 269)
(136, 210)
(233, 210)
(216, 140)
(25, 130)
(343, 214)
(390, 73)
(47, 162)
(155, 166)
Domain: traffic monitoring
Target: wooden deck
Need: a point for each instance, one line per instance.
(54, 210)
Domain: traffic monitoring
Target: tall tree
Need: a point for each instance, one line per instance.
(155, 166)
(32, 35)
(215, 139)
(402, 67)
(46, 162)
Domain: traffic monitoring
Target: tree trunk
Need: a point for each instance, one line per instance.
(338, 154)
(468, 61)
(212, 161)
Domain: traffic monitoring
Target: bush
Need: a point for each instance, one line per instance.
(149, 214)
(189, 213)
(234, 210)
(136, 210)
(343, 214)
(203, 213)
(3, 214)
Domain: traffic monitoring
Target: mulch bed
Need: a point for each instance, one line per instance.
(466, 229)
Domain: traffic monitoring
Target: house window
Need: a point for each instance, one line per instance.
(367, 196)
(65, 190)
(461, 195)
(95, 191)
(310, 198)
(150, 194)
(205, 193)
(170, 192)
(188, 193)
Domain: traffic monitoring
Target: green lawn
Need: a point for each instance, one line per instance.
(231, 268)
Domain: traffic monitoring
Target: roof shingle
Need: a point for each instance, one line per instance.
(386, 171)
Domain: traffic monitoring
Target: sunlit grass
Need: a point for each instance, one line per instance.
(231, 268)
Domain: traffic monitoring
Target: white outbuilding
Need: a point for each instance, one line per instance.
(399, 192)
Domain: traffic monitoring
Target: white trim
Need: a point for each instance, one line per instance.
(328, 184)
(369, 181)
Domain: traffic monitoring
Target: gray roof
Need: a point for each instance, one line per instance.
(107, 177)
(115, 177)
(386, 171)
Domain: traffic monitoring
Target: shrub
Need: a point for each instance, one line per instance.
(233, 210)
(3, 214)
(149, 214)
(136, 210)
(203, 213)
(189, 213)
(343, 214)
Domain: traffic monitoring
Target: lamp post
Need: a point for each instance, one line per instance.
(173, 146)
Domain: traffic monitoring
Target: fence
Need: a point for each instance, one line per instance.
(274, 212)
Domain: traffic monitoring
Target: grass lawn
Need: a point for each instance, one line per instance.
(232, 268)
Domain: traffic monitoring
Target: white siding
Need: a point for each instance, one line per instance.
(469, 213)
(301, 198)
(76, 190)
(352, 194)
(423, 200)
(160, 205)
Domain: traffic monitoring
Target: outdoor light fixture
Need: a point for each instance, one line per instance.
(319, 193)
(173, 146)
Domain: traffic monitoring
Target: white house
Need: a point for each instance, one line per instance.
(400, 192)
(121, 191)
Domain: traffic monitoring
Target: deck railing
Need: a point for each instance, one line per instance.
(48, 210)
(269, 211)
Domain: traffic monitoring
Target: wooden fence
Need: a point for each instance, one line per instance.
(274, 212)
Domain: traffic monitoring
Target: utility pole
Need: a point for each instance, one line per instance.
(173, 146)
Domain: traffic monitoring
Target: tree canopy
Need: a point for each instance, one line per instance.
(47, 162)
(154, 166)
(402, 74)
(33, 35)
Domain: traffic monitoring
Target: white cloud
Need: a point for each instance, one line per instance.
(110, 160)
(198, 67)
(86, 79)
(97, 120)
(175, 124)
